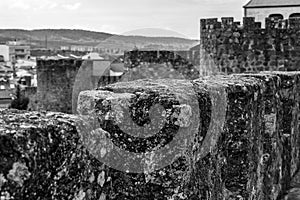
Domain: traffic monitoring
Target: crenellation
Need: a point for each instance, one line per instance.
(211, 23)
(202, 24)
(294, 23)
(249, 23)
(227, 22)
(231, 47)
(257, 25)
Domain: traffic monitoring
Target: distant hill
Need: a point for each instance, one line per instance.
(55, 38)
(148, 43)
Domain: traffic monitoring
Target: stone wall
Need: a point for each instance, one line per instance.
(162, 64)
(60, 81)
(176, 58)
(243, 142)
(55, 80)
(31, 93)
(250, 48)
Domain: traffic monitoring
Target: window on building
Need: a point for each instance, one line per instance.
(276, 16)
(2, 87)
(19, 50)
(295, 15)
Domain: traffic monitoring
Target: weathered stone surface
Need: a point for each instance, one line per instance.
(165, 143)
(231, 169)
(31, 93)
(42, 157)
(288, 126)
(281, 132)
(224, 170)
(61, 81)
(238, 138)
(250, 48)
(162, 64)
(55, 84)
(271, 164)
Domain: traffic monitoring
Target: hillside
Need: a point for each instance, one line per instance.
(55, 38)
(148, 43)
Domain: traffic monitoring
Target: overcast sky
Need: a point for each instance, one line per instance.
(116, 16)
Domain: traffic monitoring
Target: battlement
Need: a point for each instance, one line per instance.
(224, 137)
(249, 23)
(247, 47)
(183, 62)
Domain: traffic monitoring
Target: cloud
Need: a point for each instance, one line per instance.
(30, 4)
(47, 4)
(72, 6)
(53, 5)
(19, 4)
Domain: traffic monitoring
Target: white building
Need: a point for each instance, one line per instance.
(92, 56)
(279, 9)
(14, 51)
(4, 51)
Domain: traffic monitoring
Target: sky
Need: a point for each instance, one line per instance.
(129, 17)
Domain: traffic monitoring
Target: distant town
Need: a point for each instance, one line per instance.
(18, 58)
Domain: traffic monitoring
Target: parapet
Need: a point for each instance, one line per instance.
(236, 48)
(51, 63)
(249, 24)
(238, 139)
(168, 63)
(55, 79)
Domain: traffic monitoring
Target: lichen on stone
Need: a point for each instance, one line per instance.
(183, 119)
(101, 179)
(80, 196)
(2, 180)
(19, 173)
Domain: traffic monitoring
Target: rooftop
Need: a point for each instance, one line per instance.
(272, 3)
(5, 69)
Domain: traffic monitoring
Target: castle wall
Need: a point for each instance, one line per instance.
(162, 64)
(31, 93)
(60, 81)
(236, 48)
(246, 147)
(55, 80)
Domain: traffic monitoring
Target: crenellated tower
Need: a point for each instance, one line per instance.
(247, 47)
